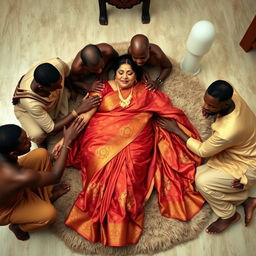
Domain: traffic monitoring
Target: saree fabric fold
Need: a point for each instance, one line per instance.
(123, 154)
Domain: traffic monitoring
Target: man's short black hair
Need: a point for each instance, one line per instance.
(9, 138)
(91, 55)
(45, 74)
(220, 90)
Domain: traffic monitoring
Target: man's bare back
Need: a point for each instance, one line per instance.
(92, 60)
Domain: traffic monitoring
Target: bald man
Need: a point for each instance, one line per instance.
(92, 61)
(147, 54)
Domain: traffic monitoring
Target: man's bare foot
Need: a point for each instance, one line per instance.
(220, 224)
(59, 190)
(21, 235)
(249, 206)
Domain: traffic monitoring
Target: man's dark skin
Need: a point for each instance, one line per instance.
(79, 71)
(147, 54)
(85, 105)
(212, 107)
(14, 178)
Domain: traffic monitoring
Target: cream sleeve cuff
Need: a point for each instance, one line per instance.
(193, 145)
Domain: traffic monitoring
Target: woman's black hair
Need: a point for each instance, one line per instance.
(127, 59)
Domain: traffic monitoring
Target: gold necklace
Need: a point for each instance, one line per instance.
(124, 103)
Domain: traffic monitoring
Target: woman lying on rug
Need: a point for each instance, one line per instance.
(123, 154)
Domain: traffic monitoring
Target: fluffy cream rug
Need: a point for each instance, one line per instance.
(159, 233)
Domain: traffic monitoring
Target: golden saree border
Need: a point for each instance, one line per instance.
(121, 138)
(108, 233)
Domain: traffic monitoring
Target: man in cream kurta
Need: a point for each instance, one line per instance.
(42, 102)
(229, 177)
(37, 114)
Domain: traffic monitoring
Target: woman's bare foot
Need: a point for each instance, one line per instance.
(21, 235)
(59, 190)
(249, 206)
(220, 224)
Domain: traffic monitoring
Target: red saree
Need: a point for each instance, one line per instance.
(122, 155)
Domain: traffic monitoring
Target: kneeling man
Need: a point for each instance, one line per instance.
(228, 178)
(25, 193)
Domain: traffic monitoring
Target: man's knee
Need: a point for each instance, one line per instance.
(202, 180)
(48, 215)
(37, 136)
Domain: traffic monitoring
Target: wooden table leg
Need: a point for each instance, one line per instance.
(103, 19)
(145, 18)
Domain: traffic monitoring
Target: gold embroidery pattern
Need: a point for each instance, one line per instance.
(126, 132)
(93, 190)
(122, 199)
(102, 152)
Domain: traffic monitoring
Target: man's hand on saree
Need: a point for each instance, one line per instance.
(172, 126)
(151, 85)
(168, 124)
(96, 86)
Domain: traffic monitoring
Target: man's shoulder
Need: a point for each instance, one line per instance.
(156, 53)
(155, 48)
(106, 49)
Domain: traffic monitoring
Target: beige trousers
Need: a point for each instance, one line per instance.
(215, 186)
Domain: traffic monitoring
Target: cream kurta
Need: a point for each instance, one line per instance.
(232, 146)
(35, 116)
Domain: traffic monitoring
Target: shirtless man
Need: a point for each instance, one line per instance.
(25, 193)
(147, 54)
(229, 177)
(90, 61)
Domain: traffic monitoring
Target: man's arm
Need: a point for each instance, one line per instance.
(85, 105)
(161, 60)
(28, 177)
(37, 112)
(212, 146)
(164, 63)
(86, 118)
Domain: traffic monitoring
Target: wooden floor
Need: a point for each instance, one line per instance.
(34, 30)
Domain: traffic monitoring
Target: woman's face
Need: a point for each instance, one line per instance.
(125, 76)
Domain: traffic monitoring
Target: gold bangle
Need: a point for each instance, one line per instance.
(74, 113)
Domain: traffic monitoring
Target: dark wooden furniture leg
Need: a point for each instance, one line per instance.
(249, 40)
(103, 19)
(145, 18)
